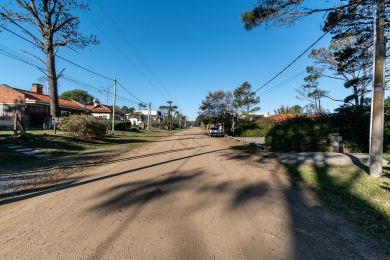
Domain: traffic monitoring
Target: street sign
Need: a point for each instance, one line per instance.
(55, 120)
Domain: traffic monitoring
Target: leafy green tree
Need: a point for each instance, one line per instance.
(245, 98)
(351, 24)
(310, 90)
(346, 59)
(50, 24)
(78, 95)
(295, 109)
(168, 113)
(142, 106)
(273, 13)
(128, 110)
(216, 108)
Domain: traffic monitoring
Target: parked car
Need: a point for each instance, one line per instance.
(214, 131)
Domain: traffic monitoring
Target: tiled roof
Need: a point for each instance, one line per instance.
(101, 108)
(46, 99)
(284, 117)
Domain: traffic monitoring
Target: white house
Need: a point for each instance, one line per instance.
(104, 111)
(155, 116)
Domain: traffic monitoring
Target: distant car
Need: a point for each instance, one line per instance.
(213, 131)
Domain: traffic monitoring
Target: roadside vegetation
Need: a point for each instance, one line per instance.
(347, 190)
(350, 192)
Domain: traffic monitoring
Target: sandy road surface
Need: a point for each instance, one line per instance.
(184, 197)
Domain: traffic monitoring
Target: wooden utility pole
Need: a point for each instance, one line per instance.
(113, 109)
(180, 118)
(377, 103)
(170, 115)
(149, 115)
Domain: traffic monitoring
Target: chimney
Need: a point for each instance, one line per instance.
(37, 88)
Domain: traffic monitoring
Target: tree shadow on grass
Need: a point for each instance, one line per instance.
(341, 195)
(313, 227)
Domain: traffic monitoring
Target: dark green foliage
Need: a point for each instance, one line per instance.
(122, 125)
(299, 135)
(79, 95)
(295, 109)
(216, 108)
(83, 126)
(302, 134)
(259, 128)
(245, 98)
(353, 123)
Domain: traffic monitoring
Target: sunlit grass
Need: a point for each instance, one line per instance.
(350, 191)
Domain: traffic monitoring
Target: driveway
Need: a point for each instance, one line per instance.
(187, 196)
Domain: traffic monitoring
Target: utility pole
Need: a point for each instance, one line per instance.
(149, 114)
(113, 109)
(180, 118)
(170, 115)
(377, 103)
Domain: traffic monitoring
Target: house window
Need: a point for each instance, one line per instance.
(7, 112)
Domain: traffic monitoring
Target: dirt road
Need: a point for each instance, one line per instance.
(184, 197)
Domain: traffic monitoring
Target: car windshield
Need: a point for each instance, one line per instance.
(213, 128)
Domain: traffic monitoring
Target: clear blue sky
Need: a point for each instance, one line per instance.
(190, 47)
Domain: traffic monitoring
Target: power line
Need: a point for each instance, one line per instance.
(128, 92)
(124, 36)
(32, 63)
(22, 58)
(281, 84)
(303, 53)
(60, 57)
(293, 61)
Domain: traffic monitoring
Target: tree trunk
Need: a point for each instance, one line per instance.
(356, 95)
(363, 85)
(52, 80)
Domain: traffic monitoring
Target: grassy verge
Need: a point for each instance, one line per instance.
(62, 146)
(349, 191)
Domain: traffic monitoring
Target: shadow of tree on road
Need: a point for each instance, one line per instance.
(137, 195)
(315, 228)
(22, 195)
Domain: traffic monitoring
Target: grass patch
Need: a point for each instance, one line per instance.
(63, 146)
(348, 190)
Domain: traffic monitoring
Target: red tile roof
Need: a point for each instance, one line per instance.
(46, 99)
(101, 108)
(284, 117)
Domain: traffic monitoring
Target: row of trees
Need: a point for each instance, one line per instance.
(221, 107)
(351, 56)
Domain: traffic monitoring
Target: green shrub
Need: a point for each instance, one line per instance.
(83, 126)
(122, 125)
(300, 135)
(386, 145)
(259, 128)
(353, 123)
